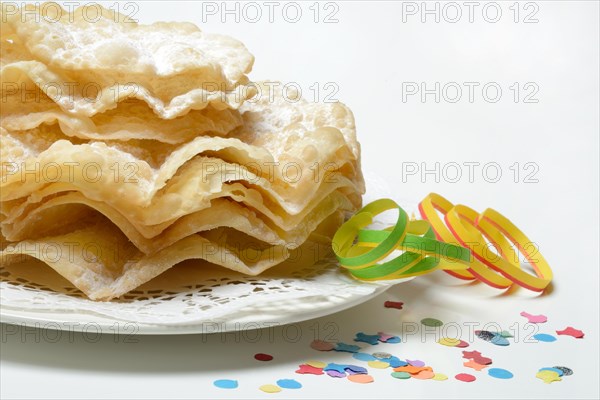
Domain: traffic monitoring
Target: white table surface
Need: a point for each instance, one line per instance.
(370, 53)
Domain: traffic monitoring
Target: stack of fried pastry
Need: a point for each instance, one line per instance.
(129, 148)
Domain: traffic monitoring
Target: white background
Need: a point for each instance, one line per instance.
(369, 54)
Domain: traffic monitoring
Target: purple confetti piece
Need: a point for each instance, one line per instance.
(335, 374)
(416, 363)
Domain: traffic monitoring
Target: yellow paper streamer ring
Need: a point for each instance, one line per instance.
(491, 222)
(428, 209)
(460, 249)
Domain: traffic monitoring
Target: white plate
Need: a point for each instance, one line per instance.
(211, 304)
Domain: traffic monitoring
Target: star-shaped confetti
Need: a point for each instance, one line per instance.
(476, 366)
(477, 357)
(370, 339)
(548, 376)
(309, 369)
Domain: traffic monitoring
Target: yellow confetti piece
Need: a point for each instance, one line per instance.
(548, 376)
(378, 364)
(439, 377)
(316, 364)
(270, 388)
(451, 342)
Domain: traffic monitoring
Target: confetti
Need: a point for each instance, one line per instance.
(341, 368)
(321, 345)
(477, 357)
(270, 388)
(462, 344)
(316, 364)
(465, 377)
(336, 374)
(475, 365)
(363, 357)
(393, 304)
(349, 348)
(370, 339)
(450, 342)
(401, 375)
(394, 362)
(308, 369)
(557, 370)
(416, 363)
(381, 354)
(500, 373)
(289, 384)
(506, 334)
(566, 371)
(485, 335)
(355, 369)
(378, 364)
(432, 322)
(548, 376)
(226, 384)
(384, 337)
(544, 337)
(570, 331)
(411, 370)
(499, 340)
(425, 374)
(534, 319)
(439, 377)
(360, 378)
(263, 357)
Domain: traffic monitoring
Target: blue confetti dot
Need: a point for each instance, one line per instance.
(289, 384)
(560, 372)
(226, 383)
(363, 357)
(544, 337)
(500, 373)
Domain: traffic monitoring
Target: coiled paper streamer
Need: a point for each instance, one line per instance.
(458, 244)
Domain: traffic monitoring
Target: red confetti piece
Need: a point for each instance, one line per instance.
(477, 357)
(471, 354)
(462, 344)
(465, 377)
(570, 331)
(263, 357)
(393, 304)
(309, 369)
